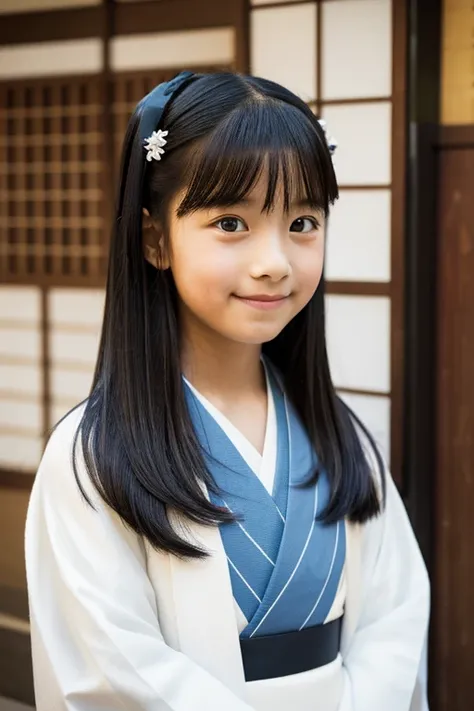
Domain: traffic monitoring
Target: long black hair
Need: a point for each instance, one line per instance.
(139, 446)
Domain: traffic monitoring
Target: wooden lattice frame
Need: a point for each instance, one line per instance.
(51, 180)
(55, 177)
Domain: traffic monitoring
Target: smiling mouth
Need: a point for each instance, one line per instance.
(263, 301)
(265, 297)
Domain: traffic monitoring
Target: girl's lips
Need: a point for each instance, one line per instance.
(264, 302)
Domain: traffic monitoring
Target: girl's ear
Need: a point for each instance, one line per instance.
(153, 242)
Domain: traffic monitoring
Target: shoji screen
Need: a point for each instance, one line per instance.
(21, 378)
(55, 147)
(337, 55)
(51, 229)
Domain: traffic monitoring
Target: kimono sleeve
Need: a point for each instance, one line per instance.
(385, 660)
(96, 640)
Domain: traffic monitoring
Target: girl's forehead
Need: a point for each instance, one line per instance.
(257, 194)
(256, 198)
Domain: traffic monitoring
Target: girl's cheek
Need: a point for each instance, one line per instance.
(205, 270)
(215, 263)
(310, 264)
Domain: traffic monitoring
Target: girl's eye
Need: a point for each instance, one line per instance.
(304, 225)
(231, 224)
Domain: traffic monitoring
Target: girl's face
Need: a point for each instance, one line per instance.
(241, 273)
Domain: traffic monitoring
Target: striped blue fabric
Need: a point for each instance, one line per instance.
(284, 573)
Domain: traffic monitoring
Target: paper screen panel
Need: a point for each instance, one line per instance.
(17, 414)
(44, 59)
(70, 386)
(356, 59)
(21, 453)
(165, 50)
(363, 133)
(74, 348)
(76, 307)
(283, 47)
(358, 237)
(72, 363)
(21, 378)
(20, 345)
(75, 321)
(21, 381)
(20, 304)
(374, 412)
(358, 339)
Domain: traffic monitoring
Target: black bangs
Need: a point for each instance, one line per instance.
(261, 137)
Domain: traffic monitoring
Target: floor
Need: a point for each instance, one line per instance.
(16, 678)
(7, 705)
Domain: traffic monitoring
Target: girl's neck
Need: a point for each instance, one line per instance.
(216, 366)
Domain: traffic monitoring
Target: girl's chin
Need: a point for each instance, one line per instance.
(256, 336)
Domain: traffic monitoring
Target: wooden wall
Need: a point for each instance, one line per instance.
(453, 579)
(13, 503)
(457, 74)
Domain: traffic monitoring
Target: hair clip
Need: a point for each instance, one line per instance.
(154, 145)
(330, 140)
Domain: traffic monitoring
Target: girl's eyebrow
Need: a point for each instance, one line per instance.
(305, 202)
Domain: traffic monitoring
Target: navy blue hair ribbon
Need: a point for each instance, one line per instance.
(153, 104)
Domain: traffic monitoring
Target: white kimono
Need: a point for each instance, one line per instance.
(118, 625)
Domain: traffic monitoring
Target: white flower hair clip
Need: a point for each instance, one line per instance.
(154, 145)
(330, 140)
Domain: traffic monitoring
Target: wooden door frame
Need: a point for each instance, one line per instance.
(424, 74)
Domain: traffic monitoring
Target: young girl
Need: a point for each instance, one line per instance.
(212, 530)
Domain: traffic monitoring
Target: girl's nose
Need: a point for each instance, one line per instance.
(270, 260)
